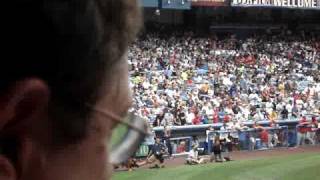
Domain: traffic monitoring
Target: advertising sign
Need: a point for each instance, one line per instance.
(303, 4)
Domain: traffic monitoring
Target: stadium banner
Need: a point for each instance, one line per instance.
(303, 4)
(149, 3)
(209, 2)
(176, 4)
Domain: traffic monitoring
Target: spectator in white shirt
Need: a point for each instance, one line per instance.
(190, 117)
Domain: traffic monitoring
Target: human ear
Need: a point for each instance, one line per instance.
(23, 110)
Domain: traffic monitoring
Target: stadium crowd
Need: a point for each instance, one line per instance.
(181, 79)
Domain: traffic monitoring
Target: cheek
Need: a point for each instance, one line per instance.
(89, 161)
(95, 149)
(102, 161)
(100, 150)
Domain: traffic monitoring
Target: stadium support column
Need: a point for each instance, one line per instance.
(159, 11)
(160, 4)
(189, 18)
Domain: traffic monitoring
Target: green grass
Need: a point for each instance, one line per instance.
(292, 167)
(118, 134)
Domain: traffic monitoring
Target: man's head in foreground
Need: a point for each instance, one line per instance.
(60, 55)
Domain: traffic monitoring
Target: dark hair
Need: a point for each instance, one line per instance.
(71, 45)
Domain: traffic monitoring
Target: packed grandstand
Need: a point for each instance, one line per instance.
(182, 79)
(212, 79)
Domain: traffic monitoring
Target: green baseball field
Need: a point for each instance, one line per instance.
(303, 166)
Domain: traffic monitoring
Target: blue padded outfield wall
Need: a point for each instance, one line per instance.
(149, 3)
(176, 4)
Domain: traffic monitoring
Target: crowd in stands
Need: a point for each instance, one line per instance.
(181, 79)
